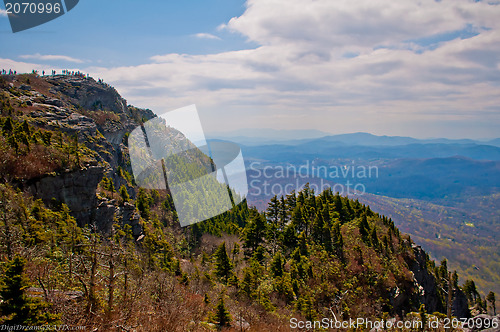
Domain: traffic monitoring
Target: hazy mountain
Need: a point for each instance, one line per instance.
(353, 139)
(269, 134)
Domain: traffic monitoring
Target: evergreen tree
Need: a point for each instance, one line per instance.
(259, 254)
(124, 194)
(247, 282)
(277, 265)
(374, 238)
(423, 317)
(337, 241)
(16, 307)
(273, 227)
(364, 228)
(254, 233)
(143, 203)
(469, 288)
(223, 266)
(7, 126)
(221, 315)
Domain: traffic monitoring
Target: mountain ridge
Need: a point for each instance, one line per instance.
(358, 139)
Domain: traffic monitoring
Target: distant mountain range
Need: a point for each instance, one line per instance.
(298, 137)
(262, 135)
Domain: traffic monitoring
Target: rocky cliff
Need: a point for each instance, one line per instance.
(99, 118)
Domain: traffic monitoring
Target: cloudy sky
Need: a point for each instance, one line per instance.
(421, 68)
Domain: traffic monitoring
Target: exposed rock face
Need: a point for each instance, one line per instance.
(427, 284)
(125, 214)
(86, 93)
(75, 189)
(89, 94)
(100, 117)
(460, 306)
(424, 279)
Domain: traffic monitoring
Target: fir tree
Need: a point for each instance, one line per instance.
(254, 233)
(124, 193)
(423, 317)
(337, 241)
(16, 307)
(277, 265)
(223, 266)
(221, 315)
(364, 228)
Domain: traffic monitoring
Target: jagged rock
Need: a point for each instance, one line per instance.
(460, 306)
(125, 214)
(104, 215)
(129, 216)
(483, 320)
(76, 189)
(424, 279)
(398, 299)
(24, 87)
(241, 324)
(54, 102)
(100, 117)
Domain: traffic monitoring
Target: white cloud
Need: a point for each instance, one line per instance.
(40, 57)
(206, 36)
(3, 12)
(299, 76)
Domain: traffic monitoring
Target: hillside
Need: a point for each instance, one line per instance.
(82, 245)
(444, 193)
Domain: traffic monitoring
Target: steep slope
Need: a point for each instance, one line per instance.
(62, 134)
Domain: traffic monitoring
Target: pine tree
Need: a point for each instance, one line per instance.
(16, 307)
(7, 126)
(235, 252)
(277, 265)
(222, 315)
(247, 282)
(469, 288)
(364, 228)
(423, 317)
(374, 238)
(273, 228)
(124, 194)
(338, 241)
(254, 233)
(223, 266)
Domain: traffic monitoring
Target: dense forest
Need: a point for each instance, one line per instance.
(308, 256)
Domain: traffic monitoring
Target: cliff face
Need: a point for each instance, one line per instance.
(99, 117)
(429, 288)
(425, 281)
(76, 189)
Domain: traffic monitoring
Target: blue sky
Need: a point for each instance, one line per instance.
(422, 69)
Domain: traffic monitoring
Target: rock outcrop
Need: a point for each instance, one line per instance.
(428, 286)
(99, 117)
(428, 294)
(76, 189)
